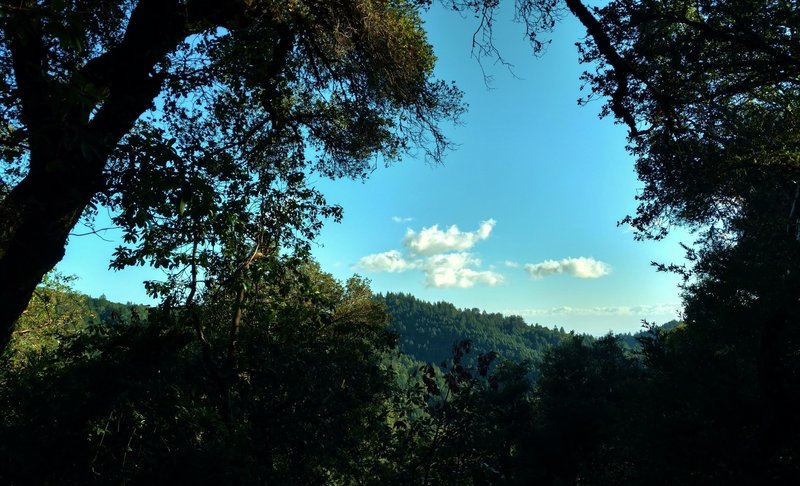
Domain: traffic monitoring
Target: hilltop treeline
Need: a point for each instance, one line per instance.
(427, 331)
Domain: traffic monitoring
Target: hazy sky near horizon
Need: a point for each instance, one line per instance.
(520, 218)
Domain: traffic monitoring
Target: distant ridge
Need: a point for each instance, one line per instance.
(428, 330)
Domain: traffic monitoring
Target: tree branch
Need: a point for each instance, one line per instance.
(29, 62)
(745, 38)
(622, 69)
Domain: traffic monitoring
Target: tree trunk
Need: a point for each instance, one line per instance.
(69, 147)
(36, 218)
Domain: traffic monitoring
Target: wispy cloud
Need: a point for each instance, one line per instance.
(402, 219)
(642, 310)
(580, 267)
(433, 241)
(511, 264)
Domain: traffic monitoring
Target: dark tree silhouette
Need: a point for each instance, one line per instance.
(97, 97)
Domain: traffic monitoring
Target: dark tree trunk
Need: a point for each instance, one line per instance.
(37, 217)
(69, 147)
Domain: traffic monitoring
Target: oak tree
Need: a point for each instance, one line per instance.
(709, 91)
(185, 110)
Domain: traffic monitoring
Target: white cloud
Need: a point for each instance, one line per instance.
(452, 270)
(581, 267)
(439, 256)
(433, 241)
(511, 264)
(402, 219)
(388, 261)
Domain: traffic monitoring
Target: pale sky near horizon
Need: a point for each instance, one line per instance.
(520, 218)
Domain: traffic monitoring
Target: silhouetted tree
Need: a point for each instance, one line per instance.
(165, 109)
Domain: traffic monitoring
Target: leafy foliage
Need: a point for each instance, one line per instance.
(309, 388)
(707, 90)
(199, 123)
(300, 402)
(54, 313)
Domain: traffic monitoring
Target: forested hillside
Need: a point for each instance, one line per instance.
(91, 394)
(428, 331)
(107, 312)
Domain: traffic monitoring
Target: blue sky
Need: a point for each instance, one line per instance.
(520, 218)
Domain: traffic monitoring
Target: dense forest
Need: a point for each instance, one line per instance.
(99, 392)
(428, 331)
(200, 127)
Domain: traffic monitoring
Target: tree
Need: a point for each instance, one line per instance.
(213, 104)
(304, 399)
(54, 313)
(709, 93)
(707, 89)
(462, 423)
(585, 398)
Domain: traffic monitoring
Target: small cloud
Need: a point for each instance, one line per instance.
(581, 267)
(510, 264)
(433, 241)
(402, 219)
(388, 261)
(452, 270)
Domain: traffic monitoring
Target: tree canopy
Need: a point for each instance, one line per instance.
(708, 90)
(193, 120)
